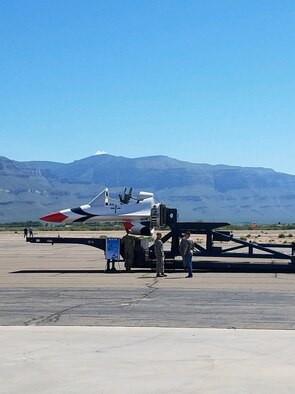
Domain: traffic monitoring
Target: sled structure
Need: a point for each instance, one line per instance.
(221, 251)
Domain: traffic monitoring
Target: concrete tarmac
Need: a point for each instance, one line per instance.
(144, 334)
(106, 360)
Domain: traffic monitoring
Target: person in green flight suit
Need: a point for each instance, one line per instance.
(129, 242)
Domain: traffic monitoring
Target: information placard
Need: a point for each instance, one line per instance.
(113, 248)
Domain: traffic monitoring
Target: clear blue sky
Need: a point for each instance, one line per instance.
(203, 81)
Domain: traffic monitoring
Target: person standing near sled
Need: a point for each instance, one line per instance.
(129, 243)
(160, 256)
(186, 250)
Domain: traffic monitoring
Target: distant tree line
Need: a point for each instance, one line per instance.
(16, 226)
(109, 226)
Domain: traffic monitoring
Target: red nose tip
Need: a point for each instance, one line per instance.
(55, 217)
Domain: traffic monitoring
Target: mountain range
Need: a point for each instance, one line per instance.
(201, 192)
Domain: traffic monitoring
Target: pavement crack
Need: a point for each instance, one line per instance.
(53, 318)
(152, 289)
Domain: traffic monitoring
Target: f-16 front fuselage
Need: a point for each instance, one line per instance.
(140, 217)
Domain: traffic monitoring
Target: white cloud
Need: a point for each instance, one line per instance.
(100, 152)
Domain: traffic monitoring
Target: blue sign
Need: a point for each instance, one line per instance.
(113, 248)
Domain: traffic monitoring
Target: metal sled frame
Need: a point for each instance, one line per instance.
(222, 255)
(240, 250)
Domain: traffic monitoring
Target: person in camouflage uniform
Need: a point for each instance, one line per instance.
(159, 252)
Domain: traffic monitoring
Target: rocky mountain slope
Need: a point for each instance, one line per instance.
(204, 192)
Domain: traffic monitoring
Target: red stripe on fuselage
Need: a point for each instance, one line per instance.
(55, 217)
